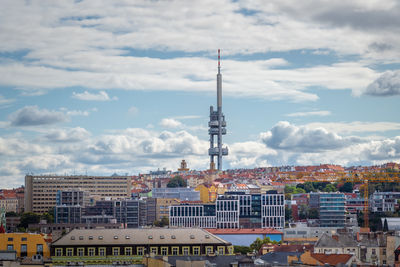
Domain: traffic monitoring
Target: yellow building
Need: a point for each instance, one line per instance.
(25, 244)
(162, 207)
(208, 192)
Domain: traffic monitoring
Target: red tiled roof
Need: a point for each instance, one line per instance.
(331, 259)
(254, 231)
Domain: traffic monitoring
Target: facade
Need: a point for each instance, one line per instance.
(181, 193)
(9, 204)
(384, 201)
(245, 237)
(41, 191)
(130, 246)
(131, 213)
(332, 212)
(233, 210)
(208, 192)
(25, 244)
(162, 206)
(185, 215)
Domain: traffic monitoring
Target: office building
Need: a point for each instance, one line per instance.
(41, 191)
(233, 210)
(384, 201)
(181, 193)
(331, 209)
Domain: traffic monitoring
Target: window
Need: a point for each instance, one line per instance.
(24, 239)
(140, 251)
(81, 252)
(115, 251)
(10, 247)
(10, 239)
(196, 250)
(58, 252)
(221, 250)
(209, 250)
(384, 251)
(153, 250)
(70, 252)
(164, 251)
(175, 251)
(91, 252)
(185, 250)
(373, 251)
(24, 252)
(230, 250)
(128, 251)
(102, 251)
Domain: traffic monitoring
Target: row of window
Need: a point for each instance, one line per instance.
(140, 251)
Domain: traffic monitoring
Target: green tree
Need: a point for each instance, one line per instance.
(385, 226)
(161, 223)
(288, 214)
(330, 188)
(313, 213)
(347, 187)
(243, 250)
(29, 218)
(11, 214)
(48, 217)
(177, 181)
(257, 244)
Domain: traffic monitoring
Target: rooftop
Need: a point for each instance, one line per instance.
(244, 231)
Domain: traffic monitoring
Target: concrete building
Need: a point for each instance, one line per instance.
(41, 190)
(187, 215)
(384, 201)
(162, 207)
(25, 244)
(331, 208)
(9, 204)
(273, 210)
(181, 193)
(133, 246)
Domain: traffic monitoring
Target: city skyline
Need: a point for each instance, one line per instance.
(98, 88)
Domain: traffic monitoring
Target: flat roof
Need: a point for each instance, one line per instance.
(254, 231)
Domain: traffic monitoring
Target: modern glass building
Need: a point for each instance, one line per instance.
(332, 209)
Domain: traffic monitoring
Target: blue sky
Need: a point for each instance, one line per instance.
(100, 87)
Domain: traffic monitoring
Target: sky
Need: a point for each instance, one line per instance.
(102, 87)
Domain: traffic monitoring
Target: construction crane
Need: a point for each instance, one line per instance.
(357, 177)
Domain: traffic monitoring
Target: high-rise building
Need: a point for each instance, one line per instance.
(332, 212)
(41, 190)
(217, 125)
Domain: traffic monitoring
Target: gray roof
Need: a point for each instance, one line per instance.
(279, 258)
(145, 236)
(220, 261)
(344, 240)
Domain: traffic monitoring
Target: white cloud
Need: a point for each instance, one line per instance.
(294, 138)
(33, 116)
(170, 123)
(86, 96)
(388, 84)
(133, 111)
(5, 101)
(68, 135)
(356, 126)
(310, 113)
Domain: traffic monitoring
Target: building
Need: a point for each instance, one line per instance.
(25, 244)
(162, 207)
(181, 193)
(233, 210)
(192, 215)
(9, 204)
(131, 213)
(384, 201)
(332, 212)
(130, 246)
(41, 191)
(208, 192)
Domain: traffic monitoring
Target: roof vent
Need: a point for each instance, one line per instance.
(173, 237)
(100, 237)
(72, 237)
(90, 237)
(115, 237)
(150, 237)
(81, 237)
(127, 237)
(162, 237)
(191, 236)
(207, 236)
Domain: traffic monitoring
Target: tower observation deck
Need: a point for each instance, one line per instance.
(217, 126)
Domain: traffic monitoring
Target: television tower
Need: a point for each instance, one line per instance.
(217, 125)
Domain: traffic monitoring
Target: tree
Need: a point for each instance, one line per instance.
(48, 217)
(346, 187)
(11, 214)
(257, 244)
(161, 223)
(243, 250)
(177, 181)
(385, 226)
(29, 218)
(330, 188)
(288, 214)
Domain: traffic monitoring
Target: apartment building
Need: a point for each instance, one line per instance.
(384, 201)
(41, 191)
(233, 210)
(332, 212)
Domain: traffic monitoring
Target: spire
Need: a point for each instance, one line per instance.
(219, 64)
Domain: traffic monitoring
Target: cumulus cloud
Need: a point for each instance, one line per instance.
(285, 136)
(388, 84)
(33, 116)
(100, 96)
(310, 113)
(68, 135)
(170, 123)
